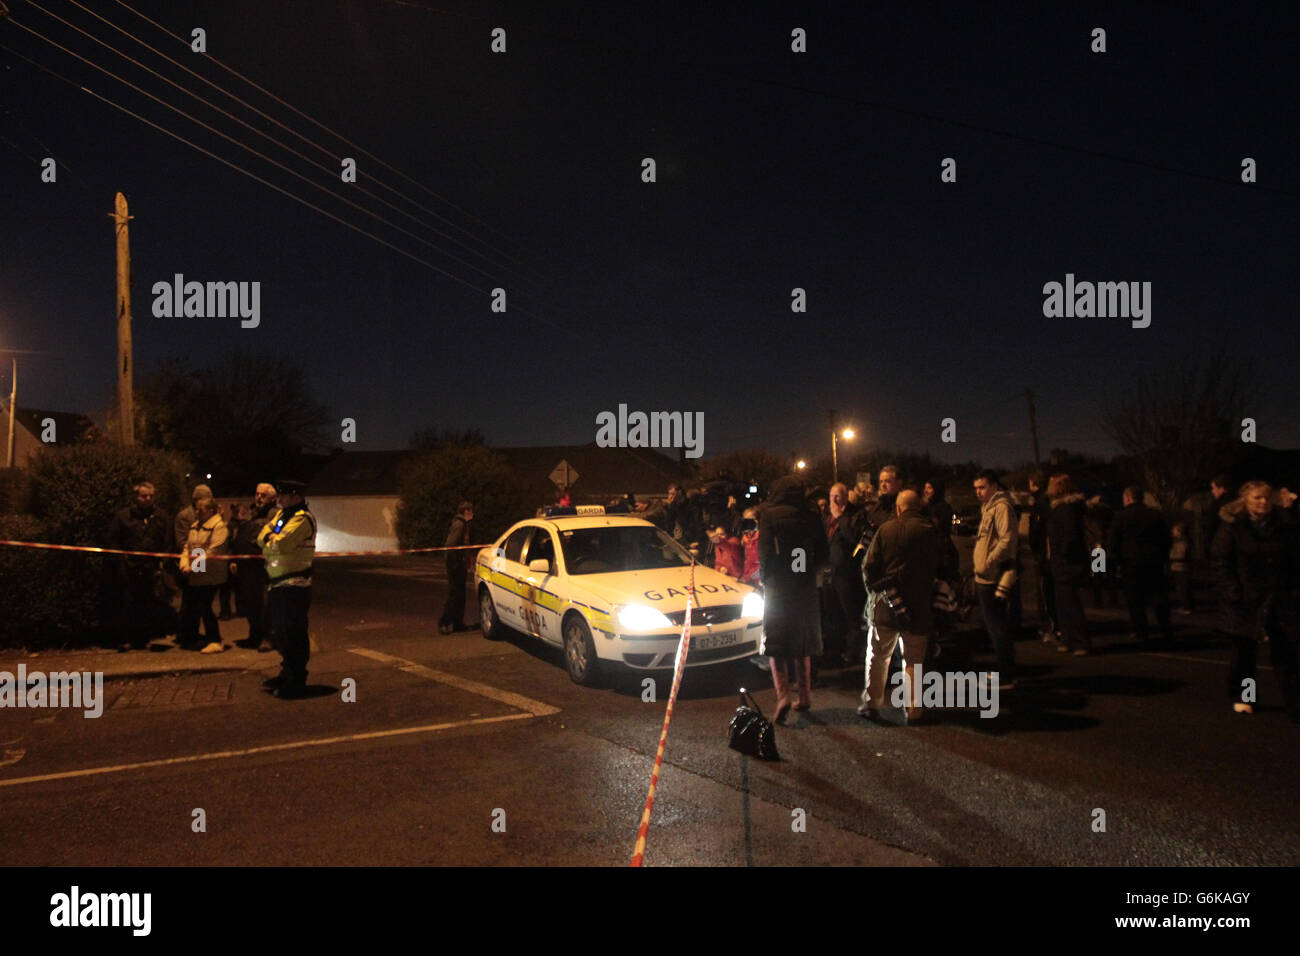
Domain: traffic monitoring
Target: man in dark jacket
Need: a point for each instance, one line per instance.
(792, 548)
(1139, 548)
(453, 613)
(903, 561)
(136, 606)
(1256, 559)
(250, 575)
(844, 594)
(1040, 510)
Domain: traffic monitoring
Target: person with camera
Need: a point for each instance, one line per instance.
(903, 561)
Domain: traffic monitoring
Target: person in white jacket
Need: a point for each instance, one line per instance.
(204, 574)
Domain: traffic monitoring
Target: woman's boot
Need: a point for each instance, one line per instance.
(781, 683)
(803, 667)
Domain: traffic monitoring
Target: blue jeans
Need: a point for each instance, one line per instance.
(997, 621)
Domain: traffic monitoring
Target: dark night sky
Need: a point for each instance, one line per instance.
(775, 170)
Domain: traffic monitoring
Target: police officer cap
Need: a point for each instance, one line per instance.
(287, 486)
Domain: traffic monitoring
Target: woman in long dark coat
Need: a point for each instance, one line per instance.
(1067, 551)
(792, 548)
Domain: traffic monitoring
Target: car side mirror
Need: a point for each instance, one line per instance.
(540, 565)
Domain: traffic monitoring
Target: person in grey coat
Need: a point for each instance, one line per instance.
(792, 548)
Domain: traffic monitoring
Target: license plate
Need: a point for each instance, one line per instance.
(707, 642)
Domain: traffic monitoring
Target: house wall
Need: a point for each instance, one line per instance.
(354, 522)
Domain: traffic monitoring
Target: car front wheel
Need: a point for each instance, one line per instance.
(580, 651)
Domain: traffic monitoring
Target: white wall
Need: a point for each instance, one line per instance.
(354, 523)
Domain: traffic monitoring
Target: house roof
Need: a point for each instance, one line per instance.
(601, 472)
(71, 427)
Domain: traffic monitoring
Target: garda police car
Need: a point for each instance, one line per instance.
(611, 588)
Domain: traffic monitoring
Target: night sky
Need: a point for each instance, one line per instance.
(775, 170)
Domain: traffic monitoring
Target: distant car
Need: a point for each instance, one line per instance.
(611, 589)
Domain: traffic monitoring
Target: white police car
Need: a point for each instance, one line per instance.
(611, 588)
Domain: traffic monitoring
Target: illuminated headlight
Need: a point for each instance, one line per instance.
(638, 617)
(753, 606)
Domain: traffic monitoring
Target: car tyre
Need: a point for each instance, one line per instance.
(489, 621)
(580, 652)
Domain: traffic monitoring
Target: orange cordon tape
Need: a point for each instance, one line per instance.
(638, 853)
(229, 557)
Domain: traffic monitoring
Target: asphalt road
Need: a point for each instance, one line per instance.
(458, 750)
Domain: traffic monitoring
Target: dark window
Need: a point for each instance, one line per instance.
(515, 543)
(542, 548)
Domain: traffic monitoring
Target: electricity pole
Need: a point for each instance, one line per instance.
(1033, 428)
(13, 398)
(125, 403)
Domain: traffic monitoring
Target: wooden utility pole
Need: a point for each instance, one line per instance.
(125, 398)
(1033, 428)
(13, 400)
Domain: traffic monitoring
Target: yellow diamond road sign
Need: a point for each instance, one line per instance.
(564, 475)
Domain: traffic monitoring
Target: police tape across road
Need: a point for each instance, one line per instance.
(231, 557)
(638, 852)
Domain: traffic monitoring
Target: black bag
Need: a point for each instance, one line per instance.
(750, 732)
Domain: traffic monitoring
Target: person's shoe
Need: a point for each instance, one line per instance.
(291, 690)
(249, 644)
(265, 647)
(1240, 708)
(213, 647)
(1182, 611)
(1006, 685)
(761, 662)
(274, 682)
(1081, 652)
(868, 712)
(1062, 647)
(1049, 637)
(123, 648)
(223, 616)
(915, 715)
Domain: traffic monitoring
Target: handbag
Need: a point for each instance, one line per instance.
(750, 732)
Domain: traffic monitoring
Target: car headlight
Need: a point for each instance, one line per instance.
(753, 606)
(638, 617)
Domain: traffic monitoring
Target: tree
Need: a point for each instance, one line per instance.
(246, 418)
(431, 485)
(1177, 425)
(750, 464)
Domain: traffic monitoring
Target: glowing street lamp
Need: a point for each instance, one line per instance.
(836, 435)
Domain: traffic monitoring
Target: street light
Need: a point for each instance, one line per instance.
(836, 435)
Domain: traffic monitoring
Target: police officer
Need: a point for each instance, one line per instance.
(288, 543)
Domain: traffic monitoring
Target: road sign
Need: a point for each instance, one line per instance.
(564, 475)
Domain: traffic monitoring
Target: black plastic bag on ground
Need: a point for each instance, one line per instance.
(750, 732)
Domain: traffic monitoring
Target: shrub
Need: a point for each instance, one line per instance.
(51, 598)
(431, 485)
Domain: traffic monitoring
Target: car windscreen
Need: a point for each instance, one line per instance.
(620, 548)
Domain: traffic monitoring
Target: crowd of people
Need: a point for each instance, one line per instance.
(259, 553)
(880, 572)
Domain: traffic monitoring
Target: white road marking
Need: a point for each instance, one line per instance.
(1201, 660)
(269, 748)
(535, 708)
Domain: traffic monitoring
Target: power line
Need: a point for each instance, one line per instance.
(332, 132)
(279, 189)
(226, 136)
(283, 126)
